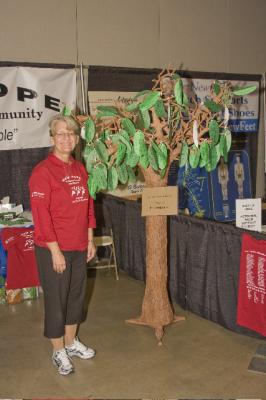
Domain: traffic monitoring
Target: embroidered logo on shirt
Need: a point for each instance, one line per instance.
(29, 242)
(78, 193)
(72, 180)
(38, 194)
(77, 190)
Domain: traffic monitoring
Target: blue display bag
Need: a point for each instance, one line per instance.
(193, 189)
(3, 261)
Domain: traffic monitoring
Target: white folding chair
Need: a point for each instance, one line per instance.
(106, 241)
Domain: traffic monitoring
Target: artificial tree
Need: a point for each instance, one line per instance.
(159, 126)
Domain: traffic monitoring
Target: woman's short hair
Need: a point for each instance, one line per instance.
(70, 123)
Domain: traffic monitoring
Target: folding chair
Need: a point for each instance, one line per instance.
(106, 240)
(103, 237)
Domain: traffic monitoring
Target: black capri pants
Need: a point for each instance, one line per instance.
(63, 293)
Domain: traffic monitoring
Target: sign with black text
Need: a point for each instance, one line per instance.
(159, 201)
(29, 97)
(248, 214)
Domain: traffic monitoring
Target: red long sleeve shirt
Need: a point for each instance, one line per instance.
(61, 207)
(22, 271)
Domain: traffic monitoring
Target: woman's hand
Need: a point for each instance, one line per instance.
(91, 250)
(59, 262)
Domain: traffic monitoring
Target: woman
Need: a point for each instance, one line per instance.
(63, 215)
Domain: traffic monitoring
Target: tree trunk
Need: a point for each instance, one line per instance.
(157, 311)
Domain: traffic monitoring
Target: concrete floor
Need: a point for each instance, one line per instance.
(198, 359)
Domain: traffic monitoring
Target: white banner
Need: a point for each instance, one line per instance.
(29, 97)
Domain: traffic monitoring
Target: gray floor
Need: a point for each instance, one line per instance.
(198, 359)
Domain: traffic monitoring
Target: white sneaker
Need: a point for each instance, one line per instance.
(78, 349)
(62, 361)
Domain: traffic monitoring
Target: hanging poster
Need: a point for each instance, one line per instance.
(230, 181)
(29, 97)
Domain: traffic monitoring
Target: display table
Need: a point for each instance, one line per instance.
(203, 259)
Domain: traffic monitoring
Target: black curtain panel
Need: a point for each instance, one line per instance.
(16, 167)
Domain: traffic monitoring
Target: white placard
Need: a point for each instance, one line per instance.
(248, 214)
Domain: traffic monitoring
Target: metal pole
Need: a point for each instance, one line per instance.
(84, 108)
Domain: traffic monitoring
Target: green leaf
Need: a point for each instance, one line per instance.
(105, 135)
(146, 120)
(212, 106)
(194, 156)
(132, 107)
(112, 178)
(153, 158)
(223, 147)
(131, 175)
(128, 126)
(132, 159)
(143, 149)
(204, 154)
(149, 101)
(162, 159)
(141, 93)
(124, 135)
(122, 173)
(214, 157)
(66, 111)
(183, 155)
(121, 152)
(92, 158)
(159, 109)
(108, 109)
(217, 146)
(115, 138)
(244, 90)
(138, 139)
(89, 130)
(102, 151)
(92, 186)
(202, 163)
(100, 175)
(144, 160)
(86, 152)
(162, 172)
(216, 87)
(214, 131)
(163, 148)
(103, 114)
(176, 76)
(208, 167)
(228, 137)
(178, 92)
(185, 100)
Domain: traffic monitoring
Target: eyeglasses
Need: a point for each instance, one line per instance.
(65, 135)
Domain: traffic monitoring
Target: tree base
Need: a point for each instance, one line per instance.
(158, 330)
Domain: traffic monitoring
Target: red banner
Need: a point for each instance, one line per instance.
(251, 309)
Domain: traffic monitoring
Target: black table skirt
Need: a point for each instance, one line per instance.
(203, 259)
